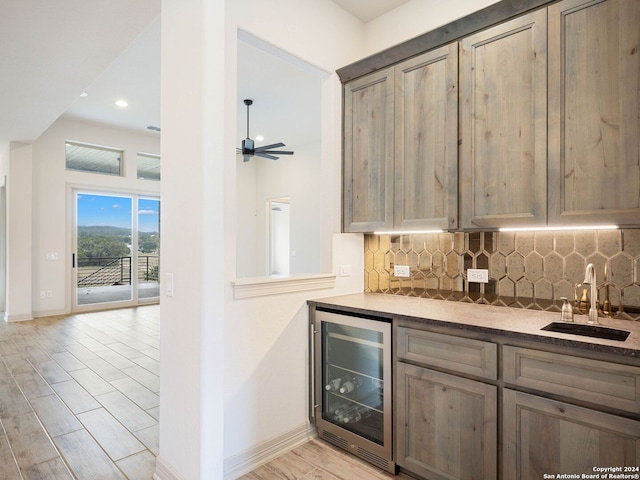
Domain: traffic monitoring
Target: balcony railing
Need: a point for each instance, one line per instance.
(105, 271)
(148, 268)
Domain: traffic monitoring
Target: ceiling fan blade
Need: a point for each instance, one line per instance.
(279, 152)
(269, 147)
(264, 155)
(238, 150)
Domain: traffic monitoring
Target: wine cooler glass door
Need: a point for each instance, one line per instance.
(353, 379)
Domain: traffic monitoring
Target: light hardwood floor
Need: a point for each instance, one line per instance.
(319, 460)
(79, 399)
(79, 396)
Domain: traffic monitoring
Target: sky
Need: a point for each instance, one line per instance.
(116, 211)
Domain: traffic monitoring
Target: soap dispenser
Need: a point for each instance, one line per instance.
(567, 311)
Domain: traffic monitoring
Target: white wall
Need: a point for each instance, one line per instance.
(51, 204)
(216, 357)
(249, 261)
(267, 359)
(19, 233)
(4, 170)
(415, 18)
(234, 372)
(259, 180)
(193, 110)
(4, 158)
(306, 201)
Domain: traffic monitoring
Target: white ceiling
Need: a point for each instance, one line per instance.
(286, 104)
(133, 76)
(367, 10)
(52, 51)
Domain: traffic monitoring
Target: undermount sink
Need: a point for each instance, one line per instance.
(597, 331)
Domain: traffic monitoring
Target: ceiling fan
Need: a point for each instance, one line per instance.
(249, 149)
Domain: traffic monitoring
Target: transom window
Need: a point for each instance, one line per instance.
(148, 166)
(93, 159)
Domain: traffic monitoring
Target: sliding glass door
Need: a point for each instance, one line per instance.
(116, 250)
(148, 258)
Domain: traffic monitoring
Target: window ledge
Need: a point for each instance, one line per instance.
(261, 286)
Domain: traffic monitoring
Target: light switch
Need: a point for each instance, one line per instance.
(345, 270)
(169, 284)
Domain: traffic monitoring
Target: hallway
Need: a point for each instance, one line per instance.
(79, 396)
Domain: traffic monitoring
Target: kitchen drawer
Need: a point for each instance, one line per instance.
(595, 381)
(458, 354)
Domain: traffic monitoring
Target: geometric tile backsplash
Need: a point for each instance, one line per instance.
(526, 269)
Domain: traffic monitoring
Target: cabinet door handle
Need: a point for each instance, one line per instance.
(312, 373)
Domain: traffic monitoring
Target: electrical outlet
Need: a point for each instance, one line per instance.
(478, 275)
(345, 270)
(401, 271)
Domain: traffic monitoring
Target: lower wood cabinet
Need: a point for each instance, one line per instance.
(452, 392)
(446, 426)
(601, 383)
(543, 436)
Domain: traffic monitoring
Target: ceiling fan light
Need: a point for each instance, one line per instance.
(247, 146)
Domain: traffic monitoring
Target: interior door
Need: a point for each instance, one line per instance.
(115, 258)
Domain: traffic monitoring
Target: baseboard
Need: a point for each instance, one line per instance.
(17, 318)
(246, 461)
(49, 313)
(251, 459)
(164, 471)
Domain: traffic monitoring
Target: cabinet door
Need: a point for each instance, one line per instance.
(368, 153)
(503, 82)
(426, 144)
(446, 426)
(546, 436)
(594, 99)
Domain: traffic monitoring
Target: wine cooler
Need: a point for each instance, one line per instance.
(351, 384)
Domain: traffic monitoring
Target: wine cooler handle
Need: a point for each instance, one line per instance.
(312, 333)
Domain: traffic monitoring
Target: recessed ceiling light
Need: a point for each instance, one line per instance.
(84, 94)
(259, 138)
(122, 103)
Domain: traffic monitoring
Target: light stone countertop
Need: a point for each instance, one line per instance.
(517, 323)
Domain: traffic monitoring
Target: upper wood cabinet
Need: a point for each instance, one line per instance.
(368, 153)
(400, 146)
(594, 104)
(547, 134)
(426, 141)
(503, 153)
